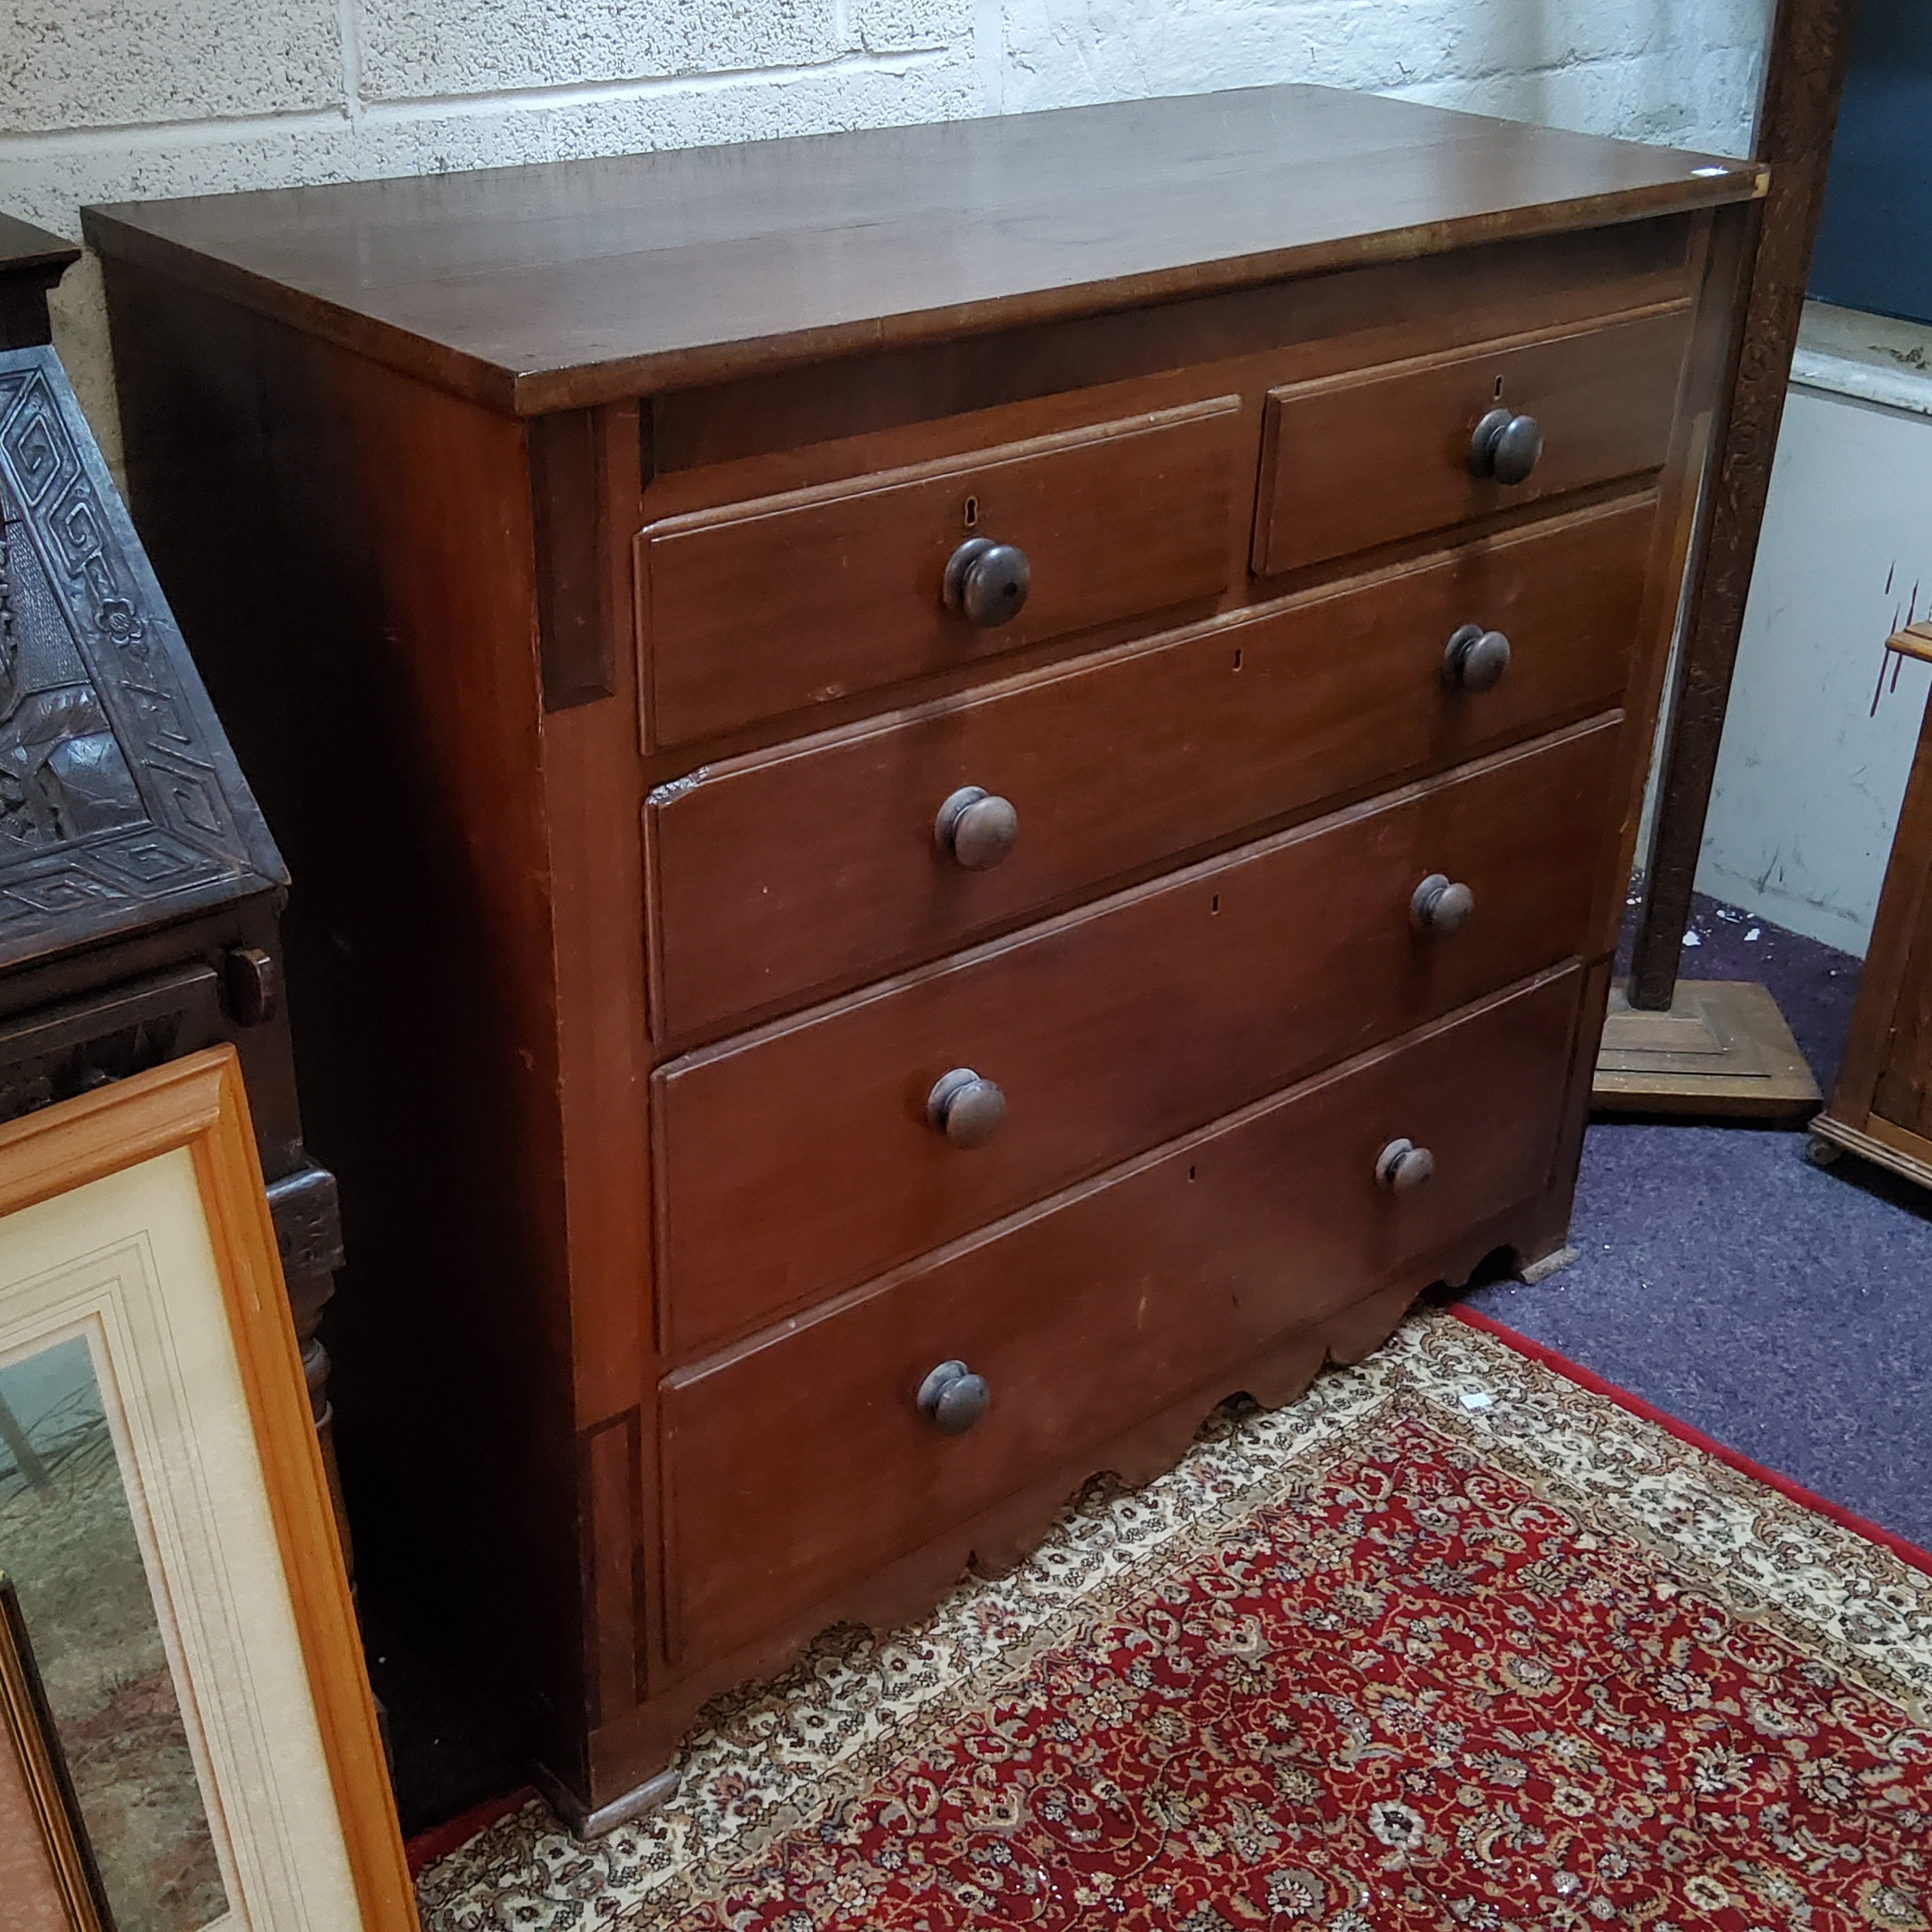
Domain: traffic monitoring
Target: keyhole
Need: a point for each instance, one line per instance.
(1190, 1174)
(1215, 906)
(1498, 389)
(1237, 660)
(972, 502)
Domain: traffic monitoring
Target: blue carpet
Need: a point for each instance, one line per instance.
(1783, 1309)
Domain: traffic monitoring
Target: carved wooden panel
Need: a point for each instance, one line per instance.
(119, 799)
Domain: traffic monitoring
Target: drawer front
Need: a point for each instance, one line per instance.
(1354, 460)
(786, 871)
(798, 1160)
(772, 606)
(803, 1463)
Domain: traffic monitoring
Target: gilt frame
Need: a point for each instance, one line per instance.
(135, 1218)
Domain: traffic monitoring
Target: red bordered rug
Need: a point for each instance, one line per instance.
(1455, 1641)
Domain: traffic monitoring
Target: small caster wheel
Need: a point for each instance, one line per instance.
(1821, 1152)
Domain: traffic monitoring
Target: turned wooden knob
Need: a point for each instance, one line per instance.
(1440, 904)
(1505, 446)
(986, 583)
(977, 827)
(952, 1398)
(1402, 1167)
(965, 1108)
(1474, 659)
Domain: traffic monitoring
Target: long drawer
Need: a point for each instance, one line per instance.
(767, 608)
(802, 1158)
(1117, 1300)
(1351, 461)
(784, 872)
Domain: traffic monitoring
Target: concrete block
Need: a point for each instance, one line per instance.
(1645, 98)
(919, 86)
(106, 63)
(425, 49)
(894, 26)
(1063, 53)
(1639, 68)
(1105, 49)
(1648, 98)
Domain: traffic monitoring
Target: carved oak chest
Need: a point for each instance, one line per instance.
(959, 789)
(140, 890)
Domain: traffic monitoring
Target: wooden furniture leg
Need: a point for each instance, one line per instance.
(1881, 1107)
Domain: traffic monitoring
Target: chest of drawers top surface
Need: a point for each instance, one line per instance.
(574, 283)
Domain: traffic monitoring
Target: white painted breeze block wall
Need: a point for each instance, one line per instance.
(113, 99)
(1812, 772)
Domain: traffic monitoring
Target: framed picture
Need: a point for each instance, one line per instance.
(164, 1520)
(48, 1880)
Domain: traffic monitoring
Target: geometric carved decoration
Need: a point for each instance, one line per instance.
(119, 796)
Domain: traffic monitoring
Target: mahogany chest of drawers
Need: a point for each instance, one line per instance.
(959, 789)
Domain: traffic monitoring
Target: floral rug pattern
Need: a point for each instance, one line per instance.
(1450, 1643)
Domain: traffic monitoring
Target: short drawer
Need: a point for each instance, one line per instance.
(1115, 1301)
(787, 872)
(800, 1159)
(1351, 461)
(770, 607)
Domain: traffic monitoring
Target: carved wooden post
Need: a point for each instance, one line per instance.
(1803, 73)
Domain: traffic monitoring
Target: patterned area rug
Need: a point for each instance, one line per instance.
(1452, 1643)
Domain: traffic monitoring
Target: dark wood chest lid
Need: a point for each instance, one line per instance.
(121, 807)
(576, 283)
